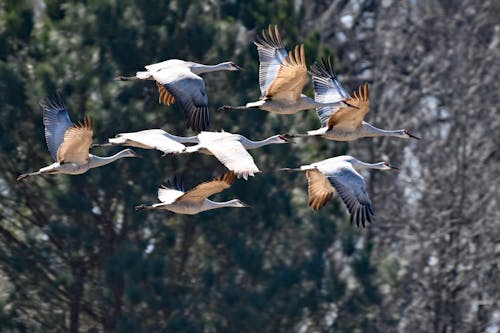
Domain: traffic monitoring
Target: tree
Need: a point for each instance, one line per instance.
(75, 257)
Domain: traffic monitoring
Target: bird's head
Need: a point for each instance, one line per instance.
(387, 166)
(239, 203)
(130, 153)
(231, 66)
(282, 138)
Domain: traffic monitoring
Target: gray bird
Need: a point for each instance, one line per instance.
(179, 81)
(340, 174)
(69, 143)
(175, 199)
(343, 121)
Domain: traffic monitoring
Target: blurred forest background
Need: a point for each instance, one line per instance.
(75, 257)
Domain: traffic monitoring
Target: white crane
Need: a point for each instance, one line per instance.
(230, 150)
(151, 139)
(340, 174)
(69, 143)
(282, 76)
(179, 81)
(175, 199)
(343, 121)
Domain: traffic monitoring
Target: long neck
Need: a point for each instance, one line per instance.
(209, 204)
(249, 144)
(358, 165)
(97, 161)
(200, 69)
(182, 139)
(370, 130)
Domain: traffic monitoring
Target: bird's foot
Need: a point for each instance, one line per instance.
(225, 108)
(140, 207)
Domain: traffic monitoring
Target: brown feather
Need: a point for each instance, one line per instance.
(291, 77)
(76, 143)
(206, 189)
(351, 117)
(165, 96)
(319, 189)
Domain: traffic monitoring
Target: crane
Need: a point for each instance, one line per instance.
(231, 150)
(179, 81)
(340, 174)
(282, 75)
(175, 199)
(151, 139)
(69, 143)
(343, 121)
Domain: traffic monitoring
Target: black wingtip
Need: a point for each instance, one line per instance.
(55, 100)
(324, 68)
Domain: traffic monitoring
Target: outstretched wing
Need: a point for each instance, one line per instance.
(228, 149)
(291, 77)
(149, 139)
(351, 117)
(170, 193)
(327, 89)
(56, 121)
(319, 188)
(272, 54)
(351, 187)
(164, 96)
(76, 144)
(189, 91)
(206, 189)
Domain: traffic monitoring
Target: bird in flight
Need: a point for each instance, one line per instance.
(69, 143)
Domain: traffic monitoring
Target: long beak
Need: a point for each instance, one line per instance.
(288, 138)
(394, 168)
(411, 135)
(137, 155)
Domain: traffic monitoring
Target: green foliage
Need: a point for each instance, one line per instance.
(72, 246)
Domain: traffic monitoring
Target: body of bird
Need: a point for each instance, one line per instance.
(175, 199)
(282, 75)
(339, 174)
(344, 120)
(231, 150)
(152, 139)
(281, 106)
(69, 143)
(179, 81)
(363, 131)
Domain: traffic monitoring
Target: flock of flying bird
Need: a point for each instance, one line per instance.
(282, 76)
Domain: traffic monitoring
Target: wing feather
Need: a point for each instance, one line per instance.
(189, 91)
(56, 121)
(76, 144)
(228, 149)
(206, 189)
(149, 139)
(351, 189)
(319, 188)
(327, 89)
(291, 77)
(351, 117)
(164, 96)
(272, 54)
